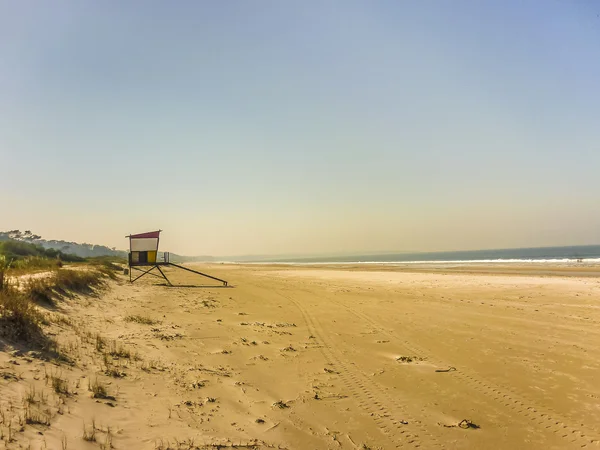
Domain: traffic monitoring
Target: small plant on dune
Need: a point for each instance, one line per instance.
(141, 319)
(98, 390)
(100, 343)
(59, 384)
(162, 445)
(152, 364)
(107, 444)
(89, 435)
(33, 417)
(114, 372)
(107, 360)
(110, 369)
(281, 404)
(118, 351)
(32, 396)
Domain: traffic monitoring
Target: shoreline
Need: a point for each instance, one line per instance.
(529, 269)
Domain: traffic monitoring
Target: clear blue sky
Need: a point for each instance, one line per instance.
(281, 127)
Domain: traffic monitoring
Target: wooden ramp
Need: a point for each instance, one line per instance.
(157, 266)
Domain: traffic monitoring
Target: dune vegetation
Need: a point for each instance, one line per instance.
(32, 278)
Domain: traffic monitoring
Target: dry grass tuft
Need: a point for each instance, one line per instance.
(98, 390)
(45, 290)
(107, 444)
(59, 384)
(117, 350)
(61, 319)
(77, 281)
(19, 319)
(100, 343)
(114, 372)
(35, 416)
(107, 268)
(32, 396)
(89, 435)
(110, 369)
(39, 290)
(141, 319)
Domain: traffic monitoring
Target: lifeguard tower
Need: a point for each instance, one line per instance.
(143, 257)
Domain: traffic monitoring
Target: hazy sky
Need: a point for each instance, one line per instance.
(302, 126)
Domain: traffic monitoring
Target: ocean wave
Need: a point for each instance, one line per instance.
(570, 261)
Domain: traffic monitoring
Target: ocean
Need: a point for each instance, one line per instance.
(589, 254)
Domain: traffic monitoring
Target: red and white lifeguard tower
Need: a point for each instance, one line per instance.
(143, 252)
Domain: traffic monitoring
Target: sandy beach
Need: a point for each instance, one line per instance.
(320, 358)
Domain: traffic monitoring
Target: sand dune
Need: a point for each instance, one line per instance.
(320, 358)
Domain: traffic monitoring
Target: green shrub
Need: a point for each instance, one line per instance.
(31, 263)
(4, 266)
(18, 250)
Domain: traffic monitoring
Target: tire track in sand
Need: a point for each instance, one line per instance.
(579, 435)
(386, 413)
